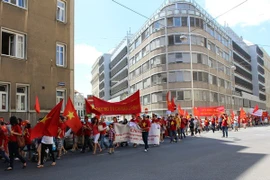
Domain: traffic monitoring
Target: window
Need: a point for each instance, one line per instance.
(3, 97)
(159, 78)
(145, 67)
(60, 55)
(158, 60)
(157, 97)
(61, 11)
(13, 44)
(19, 3)
(61, 95)
(177, 22)
(147, 83)
(139, 85)
(177, 39)
(146, 99)
(145, 50)
(187, 95)
(21, 98)
(184, 21)
(170, 22)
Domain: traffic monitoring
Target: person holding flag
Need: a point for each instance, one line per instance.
(3, 140)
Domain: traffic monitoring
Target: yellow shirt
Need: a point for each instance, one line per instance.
(178, 122)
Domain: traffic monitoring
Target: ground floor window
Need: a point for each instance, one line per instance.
(61, 95)
(21, 98)
(4, 97)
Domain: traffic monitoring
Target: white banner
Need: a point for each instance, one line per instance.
(133, 134)
(259, 112)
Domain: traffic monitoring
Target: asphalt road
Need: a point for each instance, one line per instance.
(242, 156)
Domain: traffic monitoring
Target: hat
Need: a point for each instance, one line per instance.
(159, 117)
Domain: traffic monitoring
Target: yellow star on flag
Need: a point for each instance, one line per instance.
(172, 123)
(45, 119)
(70, 115)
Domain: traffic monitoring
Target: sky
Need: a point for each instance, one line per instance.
(101, 24)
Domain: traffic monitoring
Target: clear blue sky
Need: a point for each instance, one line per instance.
(101, 24)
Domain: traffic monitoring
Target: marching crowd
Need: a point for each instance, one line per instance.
(15, 135)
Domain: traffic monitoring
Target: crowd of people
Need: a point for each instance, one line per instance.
(95, 132)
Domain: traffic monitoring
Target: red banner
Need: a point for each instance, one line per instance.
(130, 105)
(209, 111)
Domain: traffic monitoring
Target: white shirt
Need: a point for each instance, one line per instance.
(47, 140)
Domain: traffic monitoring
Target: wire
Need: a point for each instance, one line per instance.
(231, 9)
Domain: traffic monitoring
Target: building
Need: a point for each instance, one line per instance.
(95, 79)
(267, 76)
(79, 104)
(182, 49)
(37, 56)
(119, 86)
(104, 76)
(247, 74)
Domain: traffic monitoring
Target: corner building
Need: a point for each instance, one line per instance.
(37, 56)
(182, 49)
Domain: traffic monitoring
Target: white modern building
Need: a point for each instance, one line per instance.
(95, 79)
(79, 104)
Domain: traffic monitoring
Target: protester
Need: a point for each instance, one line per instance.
(102, 124)
(136, 121)
(96, 135)
(60, 137)
(191, 125)
(13, 146)
(46, 143)
(27, 137)
(224, 125)
(145, 126)
(173, 130)
(87, 127)
(183, 125)
(111, 134)
(213, 123)
(3, 140)
(178, 125)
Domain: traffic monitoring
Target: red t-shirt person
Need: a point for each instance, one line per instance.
(145, 125)
(104, 125)
(87, 128)
(173, 125)
(16, 129)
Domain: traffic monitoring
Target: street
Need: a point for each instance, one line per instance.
(242, 156)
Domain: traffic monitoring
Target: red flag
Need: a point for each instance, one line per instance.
(90, 109)
(169, 102)
(242, 114)
(73, 120)
(37, 106)
(256, 108)
(173, 105)
(196, 112)
(232, 114)
(48, 126)
(179, 109)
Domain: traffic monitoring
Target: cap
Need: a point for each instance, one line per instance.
(159, 117)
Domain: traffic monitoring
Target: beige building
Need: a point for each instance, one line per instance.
(37, 55)
(182, 49)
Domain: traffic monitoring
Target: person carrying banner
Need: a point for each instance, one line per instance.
(145, 126)
(136, 121)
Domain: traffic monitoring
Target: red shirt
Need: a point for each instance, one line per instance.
(95, 129)
(155, 121)
(104, 131)
(162, 122)
(145, 124)
(16, 129)
(27, 135)
(63, 127)
(183, 123)
(224, 122)
(135, 121)
(206, 122)
(173, 125)
(87, 132)
(213, 121)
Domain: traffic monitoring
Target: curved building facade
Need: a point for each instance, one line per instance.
(182, 49)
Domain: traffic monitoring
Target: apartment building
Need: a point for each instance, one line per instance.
(79, 104)
(95, 78)
(182, 49)
(119, 86)
(37, 55)
(104, 76)
(267, 76)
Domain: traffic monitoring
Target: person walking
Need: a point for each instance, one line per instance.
(173, 128)
(3, 140)
(213, 123)
(13, 144)
(183, 126)
(111, 134)
(191, 125)
(87, 127)
(145, 126)
(224, 125)
(96, 134)
(102, 124)
(46, 143)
